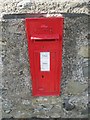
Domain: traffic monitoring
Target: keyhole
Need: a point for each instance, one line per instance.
(42, 76)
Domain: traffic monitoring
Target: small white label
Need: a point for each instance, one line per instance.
(45, 61)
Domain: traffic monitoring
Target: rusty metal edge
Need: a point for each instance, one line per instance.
(30, 15)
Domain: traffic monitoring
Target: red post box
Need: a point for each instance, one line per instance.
(45, 54)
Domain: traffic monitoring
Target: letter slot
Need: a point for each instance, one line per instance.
(43, 38)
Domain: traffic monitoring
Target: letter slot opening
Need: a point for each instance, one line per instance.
(44, 38)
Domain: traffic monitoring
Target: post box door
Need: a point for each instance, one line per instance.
(46, 73)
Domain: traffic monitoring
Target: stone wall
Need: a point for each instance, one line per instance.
(29, 6)
(16, 90)
(16, 86)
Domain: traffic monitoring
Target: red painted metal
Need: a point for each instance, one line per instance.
(45, 54)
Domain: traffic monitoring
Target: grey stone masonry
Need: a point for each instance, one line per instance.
(43, 6)
(17, 99)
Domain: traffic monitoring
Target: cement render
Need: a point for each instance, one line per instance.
(15, 83)
(17, 99)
